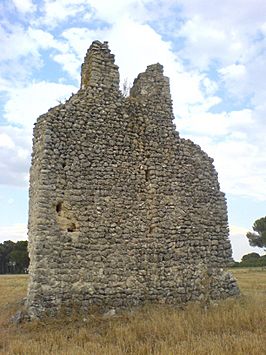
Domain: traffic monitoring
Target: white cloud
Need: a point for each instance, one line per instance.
(238, 12)
(210, 86)
(208, 41)
(246, 80)
(13, 232)
(24, 6)
(239, 161)
(22, 108)
(77, 41)
(6, 141)
(69, 63)
(55, 12)
(25, 104)
(21, 52)
(17, 42)
(44, 40)
(263, 28)
(10, 201)
(60, 11)
(15, 150)
(198, 121)
(236, 71)
(228, 36)
(112, 11)
(240, 244)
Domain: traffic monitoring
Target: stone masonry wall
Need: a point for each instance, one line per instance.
(122, 210)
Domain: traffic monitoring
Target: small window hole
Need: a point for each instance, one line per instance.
(71, 228)
(147, 175)
(59, 207)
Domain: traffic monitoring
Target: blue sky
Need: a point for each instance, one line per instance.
(213, 52)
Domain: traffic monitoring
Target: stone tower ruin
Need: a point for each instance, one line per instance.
(122, 210)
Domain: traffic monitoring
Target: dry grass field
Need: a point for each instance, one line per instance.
(234, 326)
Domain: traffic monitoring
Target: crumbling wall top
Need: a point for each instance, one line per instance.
(98, 69)
(152, 84)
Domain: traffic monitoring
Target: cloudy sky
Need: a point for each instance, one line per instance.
(213, 51)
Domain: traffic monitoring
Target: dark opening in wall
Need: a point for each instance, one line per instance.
(151, 229)
(58, 207)
(147, 175)
(71, 228)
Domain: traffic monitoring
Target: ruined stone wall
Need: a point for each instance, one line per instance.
(122, 211)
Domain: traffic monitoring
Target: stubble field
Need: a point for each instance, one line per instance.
(234, 326)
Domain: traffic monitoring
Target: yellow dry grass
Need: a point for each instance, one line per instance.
(234, 326)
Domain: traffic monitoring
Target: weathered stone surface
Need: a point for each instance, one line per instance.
(122, 210)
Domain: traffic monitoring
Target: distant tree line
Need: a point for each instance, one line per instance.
(250, 260)
(14, 258)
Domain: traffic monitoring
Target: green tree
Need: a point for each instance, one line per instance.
(5, 250)
(258, 237)
(14, 257)
(251, 260)
(250, 256)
